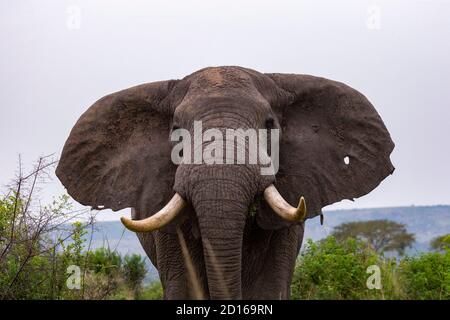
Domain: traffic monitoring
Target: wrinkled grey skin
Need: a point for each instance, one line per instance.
(118, 156)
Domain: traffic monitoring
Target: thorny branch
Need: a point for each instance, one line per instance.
(31, 230)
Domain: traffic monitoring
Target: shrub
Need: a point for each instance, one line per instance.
(426, 276)
(153, 291)
(104, 261)
(338, 270)
(134, 272)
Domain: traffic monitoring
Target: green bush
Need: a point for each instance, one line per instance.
(329, 269)
(134, 272)
(104, 261)
(426, 276)
(338, 270)
(153, 291)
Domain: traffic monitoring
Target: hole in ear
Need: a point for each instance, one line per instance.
(347, 160)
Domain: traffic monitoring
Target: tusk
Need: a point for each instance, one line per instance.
(159, 219)
(282, 208)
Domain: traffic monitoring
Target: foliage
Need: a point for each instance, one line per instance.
(28, 264)
(40, 243)
(329, 269)
(134, 272)
(382, 235)
(72, 252)
(333, 270)
(427, 276)
(441, 243)
(104, 261)
(153, 291)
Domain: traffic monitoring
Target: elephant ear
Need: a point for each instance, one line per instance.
(334, 145)
(118, 153)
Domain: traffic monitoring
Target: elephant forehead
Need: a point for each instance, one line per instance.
(247, 104)
(221, 78)
(214, 76)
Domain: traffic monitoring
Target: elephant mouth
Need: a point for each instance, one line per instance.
(177, 203)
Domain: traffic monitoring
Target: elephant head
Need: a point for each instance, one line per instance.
(333, 146)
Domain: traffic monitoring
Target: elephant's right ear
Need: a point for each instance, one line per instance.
(118, 153)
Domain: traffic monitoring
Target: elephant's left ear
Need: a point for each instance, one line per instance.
(334, 145)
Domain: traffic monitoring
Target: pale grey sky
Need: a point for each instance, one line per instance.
(58, 57)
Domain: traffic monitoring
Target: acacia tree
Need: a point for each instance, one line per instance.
(381, 235)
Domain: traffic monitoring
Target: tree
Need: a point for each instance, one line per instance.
(134, 271)
(441, 243)
(382, 235)
(30, 267)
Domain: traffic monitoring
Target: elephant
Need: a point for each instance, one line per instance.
(217, 231)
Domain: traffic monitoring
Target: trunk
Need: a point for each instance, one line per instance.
(220, 196)
(221, 203)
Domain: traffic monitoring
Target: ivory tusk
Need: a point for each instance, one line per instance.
(282, 208)
(159, 219)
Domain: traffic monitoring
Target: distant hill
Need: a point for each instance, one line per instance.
(426, 222)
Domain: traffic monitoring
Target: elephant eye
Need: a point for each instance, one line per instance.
(270, 123)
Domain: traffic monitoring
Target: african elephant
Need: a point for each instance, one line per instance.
(225, 231)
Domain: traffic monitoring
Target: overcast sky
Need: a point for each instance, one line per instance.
(58, 57)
